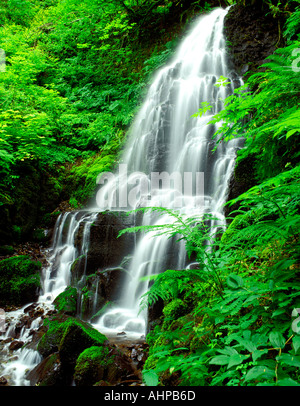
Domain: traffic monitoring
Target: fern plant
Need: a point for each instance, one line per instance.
(246, 333)
(196, 232)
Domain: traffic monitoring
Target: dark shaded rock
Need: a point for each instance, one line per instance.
(6, 250)
(100, 289)
(155, 311)
(6, 229)
(252, 34)
(106, 250)
(242, 179)
(49, 372)
(25, 321)
(15, 345)
(29, 309)
(3, 381)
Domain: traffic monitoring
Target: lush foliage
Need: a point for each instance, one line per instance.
(74, 75)
(71, 77)
(19, 280)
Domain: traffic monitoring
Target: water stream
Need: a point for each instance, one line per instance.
(164, 139)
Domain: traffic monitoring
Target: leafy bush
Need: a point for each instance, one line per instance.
(19, 280)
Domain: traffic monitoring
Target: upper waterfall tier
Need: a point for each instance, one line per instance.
(166, 146)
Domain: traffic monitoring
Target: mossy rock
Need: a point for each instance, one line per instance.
(97, 365)
(69, 336)
(19, 280)
(92, 366)
(66, 302)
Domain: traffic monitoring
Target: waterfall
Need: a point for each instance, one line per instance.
(166, 141)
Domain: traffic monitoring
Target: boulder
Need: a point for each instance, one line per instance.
(49, 372)
(69, 337)
(15, 345)
(66, 302)
(96, 364)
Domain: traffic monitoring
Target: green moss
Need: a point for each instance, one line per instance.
(91, 365)
(19, 280)
(66, 302)
(69, 337)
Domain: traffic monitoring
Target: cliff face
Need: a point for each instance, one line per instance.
(252, 34)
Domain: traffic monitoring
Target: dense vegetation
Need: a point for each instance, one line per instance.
(74, 75)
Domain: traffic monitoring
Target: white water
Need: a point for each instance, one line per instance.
(164, 137)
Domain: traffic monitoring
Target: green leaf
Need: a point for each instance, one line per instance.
(288, 359)
(258, 353)
(259, 372)
(228, 351)
(278, 312)
(291, 132)
(296, 343)
(222, 81)
(150, 378)
(236, 359)
(219, 319)
(276, 339)
(287, 382)
(235, 281)
(220, 360)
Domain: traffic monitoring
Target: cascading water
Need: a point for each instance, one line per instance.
(166, 139)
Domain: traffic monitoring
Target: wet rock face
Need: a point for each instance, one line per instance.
(98, 275)
(106, 250)
(252, 35)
